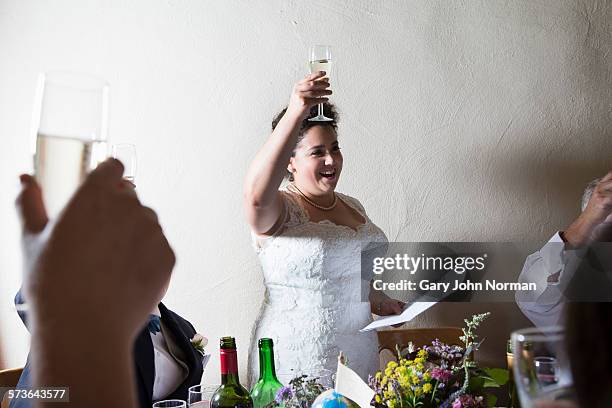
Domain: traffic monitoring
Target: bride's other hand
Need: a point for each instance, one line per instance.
(388, 307)
(308, 92)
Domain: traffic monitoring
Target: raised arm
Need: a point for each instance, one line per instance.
(262, 201)
(69, 285)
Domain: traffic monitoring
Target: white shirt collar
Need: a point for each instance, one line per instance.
(156, 311)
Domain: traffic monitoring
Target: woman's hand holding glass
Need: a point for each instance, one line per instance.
(310, 91)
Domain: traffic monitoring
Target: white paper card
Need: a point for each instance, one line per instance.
(350, 385)
(411, 311)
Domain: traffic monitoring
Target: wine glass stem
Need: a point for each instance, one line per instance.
(320, 109)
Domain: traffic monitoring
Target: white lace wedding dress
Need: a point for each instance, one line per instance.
(313, 307)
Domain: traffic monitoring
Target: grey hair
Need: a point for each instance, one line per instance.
(588, 193)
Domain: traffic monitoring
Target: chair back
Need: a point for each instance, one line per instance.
(9, 378)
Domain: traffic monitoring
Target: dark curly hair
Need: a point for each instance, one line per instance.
(329, 110)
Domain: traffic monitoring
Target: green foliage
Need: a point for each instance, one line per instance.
(495, 377)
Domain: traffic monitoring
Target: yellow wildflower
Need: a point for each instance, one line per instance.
(426, 376)
(392, 365)
(427, 388)
(422, 353)
(415, 379)
(418, 391)
(378, 399)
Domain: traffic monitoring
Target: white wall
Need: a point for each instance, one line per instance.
(461, 120)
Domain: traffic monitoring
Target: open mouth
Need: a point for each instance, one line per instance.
(328, 174)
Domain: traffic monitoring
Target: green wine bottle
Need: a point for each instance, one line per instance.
(264, 391)
(230, 394)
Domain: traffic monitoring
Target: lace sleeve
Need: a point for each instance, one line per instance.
(293, 215)
(355, 204)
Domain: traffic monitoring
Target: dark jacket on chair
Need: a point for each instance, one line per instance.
(178, 333)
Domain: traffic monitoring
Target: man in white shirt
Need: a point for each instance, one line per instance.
(553, 267)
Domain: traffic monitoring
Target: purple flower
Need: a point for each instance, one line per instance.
(440, 374)
(469, 401)
(283, 394)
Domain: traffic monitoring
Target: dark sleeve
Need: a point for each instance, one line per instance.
(20, 300)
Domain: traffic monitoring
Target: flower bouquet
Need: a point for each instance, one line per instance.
(438, 375)
(300, 393)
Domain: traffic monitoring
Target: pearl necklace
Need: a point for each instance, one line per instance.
(309, 201)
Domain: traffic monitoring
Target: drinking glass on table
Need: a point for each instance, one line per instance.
(71, 125)
(126, 154)
(200, 395)
(547, 370)
(541, 367)
(320, 60)
(173, 403)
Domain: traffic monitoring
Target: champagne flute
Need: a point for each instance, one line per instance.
(320, 60)
(126, 154)
(541, 366)
(200, 395)
(70, 120)
(71, 125)
(173, 403)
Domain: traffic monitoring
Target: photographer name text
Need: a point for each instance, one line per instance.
(457, 285)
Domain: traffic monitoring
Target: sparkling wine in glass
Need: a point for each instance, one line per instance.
(126, 154)
(320, 60)
(71, 125)
(541, 367)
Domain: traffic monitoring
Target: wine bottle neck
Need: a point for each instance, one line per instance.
(229, 367)
(267, 371)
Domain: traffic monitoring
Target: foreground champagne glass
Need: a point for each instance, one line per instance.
(320, 60)
(200, 395)
(71, 122)
(541, 367)
(126, 154)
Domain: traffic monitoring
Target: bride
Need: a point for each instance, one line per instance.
(309, 239)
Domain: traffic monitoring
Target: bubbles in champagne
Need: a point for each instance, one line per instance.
(321, 65)
(61, 164)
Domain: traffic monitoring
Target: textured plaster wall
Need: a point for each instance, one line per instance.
(461, 120)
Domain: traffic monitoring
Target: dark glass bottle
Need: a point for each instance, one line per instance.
(264, 391)
(230, 394)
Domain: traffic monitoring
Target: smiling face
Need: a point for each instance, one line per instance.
(317, 161)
